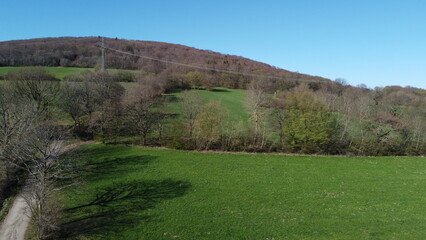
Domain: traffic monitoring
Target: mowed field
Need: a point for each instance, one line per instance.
(58, 72)
(232, 100)
(147, 193)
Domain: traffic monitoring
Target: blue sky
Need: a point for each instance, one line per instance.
(376, 42)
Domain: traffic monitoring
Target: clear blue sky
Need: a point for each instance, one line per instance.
(375, 42)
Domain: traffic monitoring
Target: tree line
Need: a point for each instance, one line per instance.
(320, 118)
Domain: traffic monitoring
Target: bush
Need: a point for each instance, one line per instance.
(308, 127)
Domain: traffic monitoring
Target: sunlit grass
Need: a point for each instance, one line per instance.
(231, 99)
(145, 193)
(58, 72)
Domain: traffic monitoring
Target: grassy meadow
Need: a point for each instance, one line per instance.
(231, 99)
(58, 72)
(148, 193)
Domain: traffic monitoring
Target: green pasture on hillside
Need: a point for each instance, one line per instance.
(58, 72)
(231, 99)
(146, 193)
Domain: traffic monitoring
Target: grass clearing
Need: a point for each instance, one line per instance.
(145, 193)
(232, 99)
(58, 72)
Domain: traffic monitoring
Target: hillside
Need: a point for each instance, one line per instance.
(85, 52)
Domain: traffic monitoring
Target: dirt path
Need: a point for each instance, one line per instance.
(17, 220)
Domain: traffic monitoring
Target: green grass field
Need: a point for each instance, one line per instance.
(231, 99)
(145, 193)
(58, 72)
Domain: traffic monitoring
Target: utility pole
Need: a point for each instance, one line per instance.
(102, 55)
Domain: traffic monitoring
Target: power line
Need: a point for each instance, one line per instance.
(201, 67)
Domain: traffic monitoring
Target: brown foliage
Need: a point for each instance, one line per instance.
(84, 52)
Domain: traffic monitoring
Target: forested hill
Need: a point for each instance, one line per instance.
(85, 51)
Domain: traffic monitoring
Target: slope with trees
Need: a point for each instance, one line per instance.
(84, 52)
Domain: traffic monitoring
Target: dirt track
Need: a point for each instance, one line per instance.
(17, 220)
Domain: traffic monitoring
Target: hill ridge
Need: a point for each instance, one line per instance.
(84, 52)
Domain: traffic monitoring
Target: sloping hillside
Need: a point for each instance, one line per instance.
(84, 52)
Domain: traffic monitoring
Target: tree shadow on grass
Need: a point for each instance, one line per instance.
(104, 169)
(110, 210)
(220, 90)
(120, 206)
(113, 167)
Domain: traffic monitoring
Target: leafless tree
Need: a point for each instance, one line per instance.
(35, 87)
(30, 143)
(141, 111)
(277, 120)
(234, 136)
(256, 101)
(16, 117)
(39, 155)
(91, 103)
(191, 105)
(209, 124)
(74, 101)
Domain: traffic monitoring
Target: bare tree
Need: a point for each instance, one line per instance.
(74, 102)
(142, 113)
(97, 95)
(208, 124)
(191, 106)
(37, 86)
(233, 137)
(277, 120)
(16, 117)
(39, 155)
(31, 144)
(256, 101)
(418, 139)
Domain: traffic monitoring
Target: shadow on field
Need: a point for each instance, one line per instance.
(119, 206)
(220, 90)
(114, 167)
